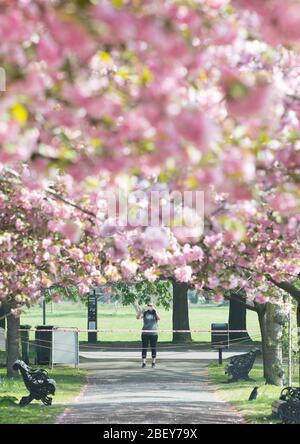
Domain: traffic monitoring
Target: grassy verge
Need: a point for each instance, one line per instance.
(69, 382)
(237, 393)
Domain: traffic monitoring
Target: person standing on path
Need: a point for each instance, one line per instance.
(149, 332)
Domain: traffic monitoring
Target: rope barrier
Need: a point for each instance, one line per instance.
(134, 330)
(106, 350)
(99, 347)
(241, 338)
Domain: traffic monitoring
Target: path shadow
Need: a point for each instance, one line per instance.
(154, 413)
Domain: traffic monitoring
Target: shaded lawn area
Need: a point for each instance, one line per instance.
(68, 314)
(258, 411)
(69, 383)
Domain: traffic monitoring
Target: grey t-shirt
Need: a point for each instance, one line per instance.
(150, 322)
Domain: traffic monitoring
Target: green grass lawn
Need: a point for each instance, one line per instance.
(258, 411)
(69, 382)
(68, 314)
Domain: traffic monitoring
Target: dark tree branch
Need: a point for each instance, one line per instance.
(288, 287)
(284, 285)
(57, 196)
(235, 297)
(293, 96)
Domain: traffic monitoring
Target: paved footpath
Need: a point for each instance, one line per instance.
(119, 391)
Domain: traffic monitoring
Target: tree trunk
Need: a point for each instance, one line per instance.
(261, 313)
(274, 372)
(2, 316)
(295, 293)
(13, 343)
(298, 328)
(180, 312)
(237, 321)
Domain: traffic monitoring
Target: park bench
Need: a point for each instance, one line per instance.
(240, 366)
(288, 406)
(37, 382)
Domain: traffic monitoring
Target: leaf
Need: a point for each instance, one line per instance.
(92, 183)
(147, 76)
(123, 72)
(203, 76)
(238, 91)
(97, 145)
(83, 3)
(146, 146)
(119, 4)
(67, 153)
(192, 182)
(89, 257)
(19, 113)
(105, 57)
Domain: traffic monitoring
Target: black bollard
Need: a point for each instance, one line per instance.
(220, 356)
(24, 334)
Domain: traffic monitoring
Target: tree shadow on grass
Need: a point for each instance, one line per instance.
(8, 401)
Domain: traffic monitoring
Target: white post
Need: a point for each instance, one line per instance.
(299, 352)
(77, 349)
(290, 368)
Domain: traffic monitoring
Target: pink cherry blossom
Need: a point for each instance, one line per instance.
(260, 299)
(195, 127)
(49, 51)
(83, 288)
(284, 202)
(128, 268)
(213, 281)
(218, 297)
(243, 100)
(46, 242)
(183, 274)
(57, 299)
(155, 238)
(72, 231)
(150, 274)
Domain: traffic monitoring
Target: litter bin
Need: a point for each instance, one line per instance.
(219, 335)
(220, 338)
(43, 344)
(24, 334)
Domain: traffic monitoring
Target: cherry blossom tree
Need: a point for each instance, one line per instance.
(43, 241)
